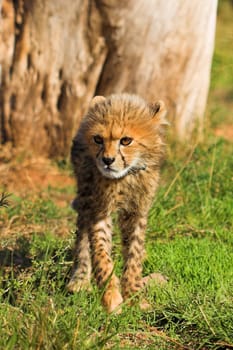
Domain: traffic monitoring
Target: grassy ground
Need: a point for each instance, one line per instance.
(190, 239)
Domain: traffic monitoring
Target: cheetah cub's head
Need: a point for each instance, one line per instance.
(123, 134)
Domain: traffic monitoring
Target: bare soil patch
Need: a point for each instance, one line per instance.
(225, 131)
(32, 175)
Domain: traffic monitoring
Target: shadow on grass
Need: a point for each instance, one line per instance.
(25, 266)
(18, 257)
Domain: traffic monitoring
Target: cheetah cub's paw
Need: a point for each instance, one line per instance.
(112, 300)
(75, 285)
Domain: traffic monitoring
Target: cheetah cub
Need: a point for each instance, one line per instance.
(116, 156)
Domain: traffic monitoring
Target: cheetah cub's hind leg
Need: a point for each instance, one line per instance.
(81, 274)
(100, 237)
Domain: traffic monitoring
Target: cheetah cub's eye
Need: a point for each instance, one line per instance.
(98, 139)
(125, 141)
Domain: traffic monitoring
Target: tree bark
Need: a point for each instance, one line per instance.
(161, 50)
(55, 55)
(56, 52)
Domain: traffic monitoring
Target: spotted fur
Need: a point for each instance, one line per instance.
(116, 156)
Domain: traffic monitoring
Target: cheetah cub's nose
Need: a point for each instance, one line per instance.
(107, 160)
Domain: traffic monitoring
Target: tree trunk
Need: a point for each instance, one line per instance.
(55, 55)
(161, 50)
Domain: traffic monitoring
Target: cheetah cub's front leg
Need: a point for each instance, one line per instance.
(81, 273)
(100, 237)
(133, 233)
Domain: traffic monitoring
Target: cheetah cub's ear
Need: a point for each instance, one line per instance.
(159, 112)
(96, 100)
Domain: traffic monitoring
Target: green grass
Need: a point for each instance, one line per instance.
(189, 239)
